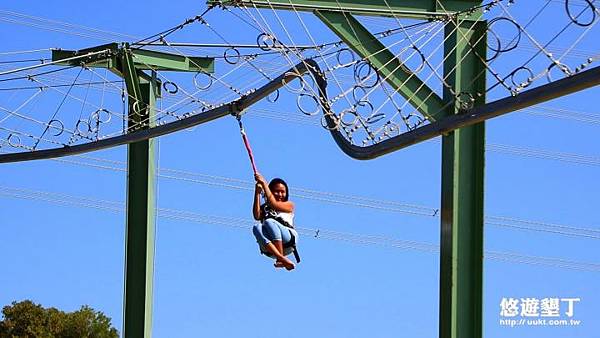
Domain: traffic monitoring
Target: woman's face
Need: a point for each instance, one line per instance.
(279, 192)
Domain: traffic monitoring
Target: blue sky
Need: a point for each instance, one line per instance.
(373, 269)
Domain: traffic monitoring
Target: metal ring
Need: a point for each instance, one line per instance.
(590, 5)
(205, 87)
(563, 68)
(18, 144)
(61, 127)
(465, 100)
(423, 59)
(409, 124)
(374, 118)
(361, 78)
(348, 123)
(364, 103)
(273, 100)
(355, 97)
(170, 87)
(266, 42)
(97, 116)
(391, 129)
(135, 107)
(291, 89)
(498, 43)
(78, 128)
(499, 50)
(231, 59)
(523, 84)
(338, 57)
(515, 42)
(302, 108)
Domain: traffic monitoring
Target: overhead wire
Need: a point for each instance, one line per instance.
(570, 159)
(542, 155)
(30, 51)
(344, 93)
(58, 85)
(76, 29)
(32, 77)
(541, 49)
(65, 27)
(161, 35)
(309, 232)
(344, 199)
(16, 111)
(38, 74)
(546, 111)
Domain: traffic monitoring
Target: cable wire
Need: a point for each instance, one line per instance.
(309, 232)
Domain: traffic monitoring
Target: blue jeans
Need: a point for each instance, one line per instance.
(271, 230)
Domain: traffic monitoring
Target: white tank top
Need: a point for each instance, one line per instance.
(287, 216)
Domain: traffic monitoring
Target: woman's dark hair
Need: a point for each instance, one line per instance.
(276, 181)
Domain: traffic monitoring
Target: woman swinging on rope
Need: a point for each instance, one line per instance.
(275, 233)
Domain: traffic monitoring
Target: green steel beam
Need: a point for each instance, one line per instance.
(132, 83)
(400, 77)
(143, 59)
(420, 9)
(88, 56)
(141, 213)
(153, 60)
(461, 247)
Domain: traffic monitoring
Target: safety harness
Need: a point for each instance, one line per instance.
(269, 213)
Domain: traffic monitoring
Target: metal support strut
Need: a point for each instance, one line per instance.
(461, 226)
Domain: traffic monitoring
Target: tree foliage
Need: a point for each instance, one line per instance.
(26, 319)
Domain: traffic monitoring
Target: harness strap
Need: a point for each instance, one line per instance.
(294, 248)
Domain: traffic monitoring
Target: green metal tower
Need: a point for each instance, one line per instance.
(142, 89)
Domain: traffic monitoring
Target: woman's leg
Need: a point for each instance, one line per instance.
(275, 235)
(265, 236)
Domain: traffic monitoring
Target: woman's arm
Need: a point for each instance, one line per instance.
(287, 206)
(256, 211)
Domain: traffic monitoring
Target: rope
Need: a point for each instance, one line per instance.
(246, 143)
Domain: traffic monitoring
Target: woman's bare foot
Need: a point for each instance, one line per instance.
(286, 263)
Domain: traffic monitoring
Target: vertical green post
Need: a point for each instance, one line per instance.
(139, 251)
(142, 92)
(461, 251)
